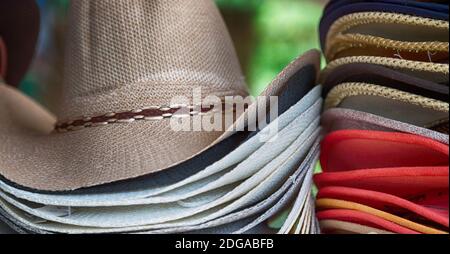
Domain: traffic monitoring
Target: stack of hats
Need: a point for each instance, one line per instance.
(385, 158)
(110, 160)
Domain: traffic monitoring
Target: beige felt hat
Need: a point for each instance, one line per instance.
(125, 61)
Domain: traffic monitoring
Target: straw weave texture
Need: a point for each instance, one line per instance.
(340, 92)
(124, 55)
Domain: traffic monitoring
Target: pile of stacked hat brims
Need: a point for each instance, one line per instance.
(109, 161)
(385, 158)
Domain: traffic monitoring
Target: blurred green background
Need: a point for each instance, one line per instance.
(268, 34)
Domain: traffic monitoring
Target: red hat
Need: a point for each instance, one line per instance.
(359, 149)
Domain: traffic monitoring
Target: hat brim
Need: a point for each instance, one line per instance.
(291, 194)
(380, 100)
(347, 119)
(387, 25)
(366, 45)
(386, 202)
(363, 218)
(333, 14)
(401, 182)
(363, 33)
(434, 72)
(191, 180)
(432, 6)
(209, 205)
(19, 29)
(32, 157)
(21, 216)
(358, 149)
(341, 204)
(380, 75)
(342, 227)
(265, 208)
(5, 227)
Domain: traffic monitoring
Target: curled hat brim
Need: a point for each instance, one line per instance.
(32, 156)
(382, 200)
(340, 119)
(380, 75)
(336, 9)
(19, 29)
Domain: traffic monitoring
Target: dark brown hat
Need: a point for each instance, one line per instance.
(19, 29)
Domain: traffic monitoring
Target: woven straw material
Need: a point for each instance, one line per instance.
(341, 43)
(394, 63)
(122, 56)
(32, 157)
(138, 214)
(359, 30)
(125, 55)
(339, 93)
(275, 202)
(365, 18)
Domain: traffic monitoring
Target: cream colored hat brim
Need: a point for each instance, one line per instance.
(31, 156)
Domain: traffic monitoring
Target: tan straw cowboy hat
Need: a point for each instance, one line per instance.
(125, 61)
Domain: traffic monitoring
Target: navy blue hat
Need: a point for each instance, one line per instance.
(438, 7)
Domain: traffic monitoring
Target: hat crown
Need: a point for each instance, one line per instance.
(122, 54)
